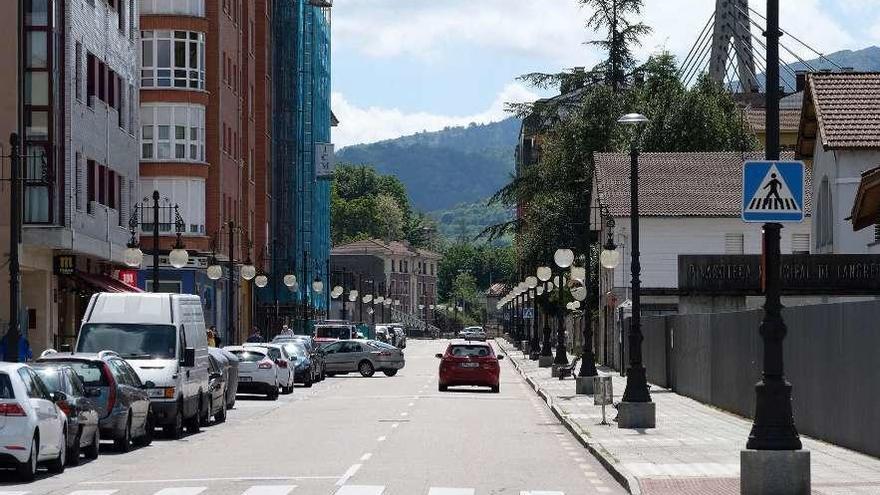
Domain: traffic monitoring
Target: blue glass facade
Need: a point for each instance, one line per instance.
(300, 220)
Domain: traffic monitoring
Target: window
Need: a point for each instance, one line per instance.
(90, 184)
(188, 194)
(194, 8)
(121, 12)
(877, 232)
(173, 59)
(78, 71)
(78, 193)
(734, 243)
(392, 268)
(824, 216)
(800, 243)
(173, 132)
(90, 78)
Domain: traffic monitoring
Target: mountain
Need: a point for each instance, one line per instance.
(864, 60)
(445, 168)
(467, 221)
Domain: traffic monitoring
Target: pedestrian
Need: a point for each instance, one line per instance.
(217, 340)
(255, 336)
(286, 331)
(24, 348)
(212, 342)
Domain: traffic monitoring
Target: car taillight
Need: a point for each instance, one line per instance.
(111, 387)
(11, 409)
(64, 406)
(281, 363)
(265, 365)
(386, 353)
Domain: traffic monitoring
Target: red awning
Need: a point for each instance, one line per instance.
(104, 283)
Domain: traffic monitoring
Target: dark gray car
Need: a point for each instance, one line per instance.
(229, 364)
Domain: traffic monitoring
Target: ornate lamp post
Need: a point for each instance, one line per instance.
(247, 270)
(178, 257)
(563, 258)
(637, 410)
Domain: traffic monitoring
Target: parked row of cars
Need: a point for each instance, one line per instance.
(391, 334)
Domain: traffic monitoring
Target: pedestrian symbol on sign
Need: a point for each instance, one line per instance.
(773, 192)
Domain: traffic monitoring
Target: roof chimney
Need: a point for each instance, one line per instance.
(800, 78)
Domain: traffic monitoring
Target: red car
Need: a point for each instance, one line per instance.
(469, 363)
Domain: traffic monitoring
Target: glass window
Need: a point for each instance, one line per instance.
(36, 125)
(249, 356)
(38, 53)
(6, 390)
(36, 12)
(172, 59)
(36, 88)
(131, 341)
(194, 8)
(52, 378)
(89, 372)
(173, 132)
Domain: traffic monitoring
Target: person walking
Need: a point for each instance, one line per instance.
(255, 336)
(212, 342)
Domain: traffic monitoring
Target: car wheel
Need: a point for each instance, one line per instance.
(389, 372)
(73, 453)
(496, 389)
(273, 394)
(57, 465)
(94, 448)
(174, 431)
(442, 388)
(124, 444)
(324, 373)
(220, 417)
(205, 419)
(194, 424)
(307, 380)
(366, 369)
(27, 470)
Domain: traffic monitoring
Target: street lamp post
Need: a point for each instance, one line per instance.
(636, 410)
(134, 256)
(563, 258)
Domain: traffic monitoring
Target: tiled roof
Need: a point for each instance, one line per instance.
(846, 108)
(866, 207)
(678, 184)
(496, 290)
(376, 246)
(789, 119)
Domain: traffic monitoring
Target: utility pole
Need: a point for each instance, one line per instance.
(230, 293)
(155, 241)
(14, 332)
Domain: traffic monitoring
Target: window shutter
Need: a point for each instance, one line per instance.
(800, 243)
(734, 243)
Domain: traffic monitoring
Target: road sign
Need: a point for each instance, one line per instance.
(773, 191)
(528, 313)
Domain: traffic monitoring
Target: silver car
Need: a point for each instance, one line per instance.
(363, 356)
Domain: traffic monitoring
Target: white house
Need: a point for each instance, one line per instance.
(840, 134)
(689, 205)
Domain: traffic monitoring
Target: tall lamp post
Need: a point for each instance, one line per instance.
(636, 410)
(563, 258)
(248, 272)
(134, 256)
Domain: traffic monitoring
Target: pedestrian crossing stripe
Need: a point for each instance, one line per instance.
(773, 191)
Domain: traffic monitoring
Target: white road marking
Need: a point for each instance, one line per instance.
(411, 404)
(603, 489)
(395, 425)
(269, 490)
(450, 491)
(348, 474)
(366, 457)
(381, 439)
(361, 490)
(404, 414)
(14, 493)
(207, 480)
(192, 490)
(533, 492)
(87, 492)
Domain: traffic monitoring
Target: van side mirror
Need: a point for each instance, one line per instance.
(189, 357)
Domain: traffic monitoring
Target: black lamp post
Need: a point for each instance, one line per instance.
(178, 257)
(563, 258)
(636, 391)
(248, 272)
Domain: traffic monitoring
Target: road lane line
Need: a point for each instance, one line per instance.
(348, 474)
(450, 491)
(404, 414)
(269, 490)
(411, 404)
(534, 492)
(381, 439)
(366, 457)
(189, 490)
(87, 492)
(208, 480)
(14, 493)
(361, 490)
(395, 425)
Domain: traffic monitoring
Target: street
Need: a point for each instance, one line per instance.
(358, 436)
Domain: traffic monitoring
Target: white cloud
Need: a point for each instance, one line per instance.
(370, 124)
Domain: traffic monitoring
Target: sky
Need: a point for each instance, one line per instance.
(405, 66)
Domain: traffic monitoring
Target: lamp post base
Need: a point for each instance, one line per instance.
(637, 415)
(777, 472)
(545, 361)
(583, 385)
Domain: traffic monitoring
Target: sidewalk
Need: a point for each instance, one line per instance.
(694, 449)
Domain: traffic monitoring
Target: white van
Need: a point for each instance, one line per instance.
(163, 337)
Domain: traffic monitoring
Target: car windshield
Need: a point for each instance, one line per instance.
(469, 350)
(295, 350)
(51, 377)
(249, 356)
(381, 345)
(333, 332)
(131, 341)
(89, 372)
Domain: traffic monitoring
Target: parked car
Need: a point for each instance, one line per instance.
(34, 427)
(469, 363)
(72, 397)
(217, 384)
(316, 354)
(473, 333)
(285, 365)
(257, 372)
(330, 331)
(123, 400)
(363, 356)
(229, 363)
(305, 372)
(383, 333)
(163, 336)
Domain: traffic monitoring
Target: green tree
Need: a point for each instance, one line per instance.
(621, 35)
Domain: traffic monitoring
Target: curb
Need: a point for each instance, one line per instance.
(627, 480)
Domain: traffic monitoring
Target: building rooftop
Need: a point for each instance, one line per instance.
(866, 207)
(789, 119)
(844, 108)
(703, 184)
(380, 247)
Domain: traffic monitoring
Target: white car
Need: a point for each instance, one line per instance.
(257, 373)
(286, 365)
(33, 429)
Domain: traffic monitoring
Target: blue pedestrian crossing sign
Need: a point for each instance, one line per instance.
(773, 191)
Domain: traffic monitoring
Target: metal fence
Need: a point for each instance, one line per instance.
(830, 359)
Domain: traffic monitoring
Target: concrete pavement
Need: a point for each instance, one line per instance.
(358, 436)
(694, 449)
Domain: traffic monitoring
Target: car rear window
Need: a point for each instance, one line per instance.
(51, 377)
(89, 372)
(470, 350)
(333, 332)
(6, 390)
(249, 356)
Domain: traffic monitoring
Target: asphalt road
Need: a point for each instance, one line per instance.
(357, 436)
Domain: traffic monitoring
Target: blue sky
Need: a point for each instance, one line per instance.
(403, 66)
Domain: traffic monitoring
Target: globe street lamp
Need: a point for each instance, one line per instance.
(636, 410)
(318, 285)
(563, 258)
(134, 256)
(610, 256)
